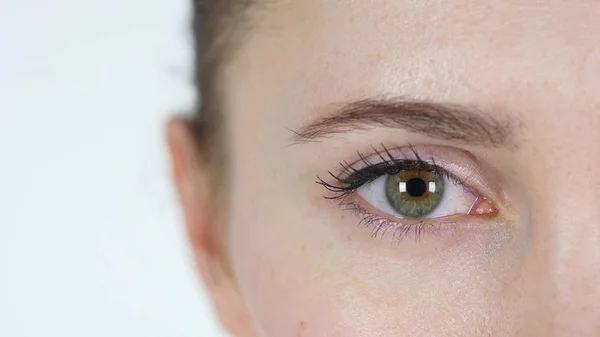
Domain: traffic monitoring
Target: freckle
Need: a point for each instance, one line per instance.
(301, 327)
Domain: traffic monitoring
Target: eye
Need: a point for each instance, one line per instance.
(412, 183)
(420, 194)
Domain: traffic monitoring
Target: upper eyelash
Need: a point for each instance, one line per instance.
(350, 179)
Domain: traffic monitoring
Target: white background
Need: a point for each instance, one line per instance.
(91, 241)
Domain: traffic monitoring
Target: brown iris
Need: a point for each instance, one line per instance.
(416, 193)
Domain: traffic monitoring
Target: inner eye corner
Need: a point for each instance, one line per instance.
(484, 206)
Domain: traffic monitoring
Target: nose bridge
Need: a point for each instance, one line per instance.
(567, 221)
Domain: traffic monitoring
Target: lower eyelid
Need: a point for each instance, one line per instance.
(401, 229)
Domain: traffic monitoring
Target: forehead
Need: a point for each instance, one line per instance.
(311, 53)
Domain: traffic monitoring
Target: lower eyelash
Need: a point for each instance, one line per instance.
(381, 226)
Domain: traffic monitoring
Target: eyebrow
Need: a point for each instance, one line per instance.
(445, 121)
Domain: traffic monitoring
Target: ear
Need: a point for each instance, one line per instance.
(191, 178)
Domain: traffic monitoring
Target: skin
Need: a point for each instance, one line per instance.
(286, 262)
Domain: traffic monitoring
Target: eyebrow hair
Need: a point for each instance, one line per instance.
(438, 120)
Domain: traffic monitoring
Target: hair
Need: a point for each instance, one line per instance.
(217, 28)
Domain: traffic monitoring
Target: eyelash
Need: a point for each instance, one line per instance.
(350, 179)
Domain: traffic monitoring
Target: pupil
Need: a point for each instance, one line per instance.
(415, 187)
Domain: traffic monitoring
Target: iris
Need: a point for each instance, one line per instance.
(415, 194)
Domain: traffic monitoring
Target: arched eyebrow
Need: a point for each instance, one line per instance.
(445, 121)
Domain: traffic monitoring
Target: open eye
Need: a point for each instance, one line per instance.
(419, 194)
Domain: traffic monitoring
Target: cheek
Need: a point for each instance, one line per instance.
(306, 269)
(275, 261)
(301, 274)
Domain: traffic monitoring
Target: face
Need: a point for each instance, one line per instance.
(408, 168)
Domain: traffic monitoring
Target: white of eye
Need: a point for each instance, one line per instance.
(455, 200)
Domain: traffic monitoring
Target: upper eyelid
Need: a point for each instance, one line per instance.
(463, 165)
(391, 162)
(358, 177)
(391, 167)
